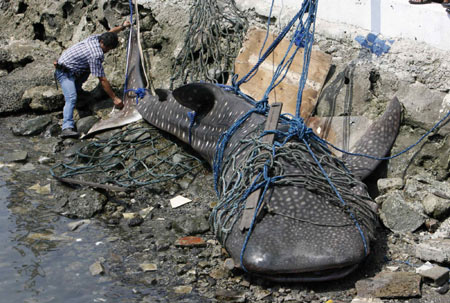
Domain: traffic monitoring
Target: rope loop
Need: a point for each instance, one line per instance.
(139, 92)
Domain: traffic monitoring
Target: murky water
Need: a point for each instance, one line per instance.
(42, 259)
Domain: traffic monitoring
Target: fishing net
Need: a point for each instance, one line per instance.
(239, 176)
(213, 40)
(133, 157)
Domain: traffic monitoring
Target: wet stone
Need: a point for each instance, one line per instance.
(183, 289)
(17, 156)
(390, 285)
(190, 241)
(146, 267)
(96, 269)
(85, 124)
(32, 126)
(192, 226)
(82, 203)
(135, 220)
(225, 295)
(78, 224)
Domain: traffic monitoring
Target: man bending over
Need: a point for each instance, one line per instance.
(75, 65)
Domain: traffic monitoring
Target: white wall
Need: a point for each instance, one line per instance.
(427, 23)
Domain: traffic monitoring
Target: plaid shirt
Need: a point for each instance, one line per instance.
(84, 56)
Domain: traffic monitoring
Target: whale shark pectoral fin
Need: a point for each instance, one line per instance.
(376, 142)
(199, 97)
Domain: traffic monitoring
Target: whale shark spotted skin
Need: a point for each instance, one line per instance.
(304, 236)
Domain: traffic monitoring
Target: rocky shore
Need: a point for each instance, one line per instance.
(165, 254)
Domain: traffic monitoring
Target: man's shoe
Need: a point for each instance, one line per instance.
(69, 133)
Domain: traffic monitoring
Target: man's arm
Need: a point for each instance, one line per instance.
(108, 89)
(120, 28)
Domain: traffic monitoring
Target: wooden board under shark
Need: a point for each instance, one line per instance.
(286, 91)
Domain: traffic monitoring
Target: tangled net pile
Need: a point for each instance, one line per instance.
(213, 40)
(134, 157)
(265, 161)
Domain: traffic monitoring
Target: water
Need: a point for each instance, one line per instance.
(42, 259)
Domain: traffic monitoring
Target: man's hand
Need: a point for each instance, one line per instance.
(118, 102)
(126, 23)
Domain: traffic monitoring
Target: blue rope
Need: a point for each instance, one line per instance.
(140, 93)
(191, 116)
(125, 89)
(390, 157)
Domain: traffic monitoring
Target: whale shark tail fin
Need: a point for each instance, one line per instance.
(134, 81)
(376, 142)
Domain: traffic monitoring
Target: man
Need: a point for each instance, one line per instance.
(75, 65)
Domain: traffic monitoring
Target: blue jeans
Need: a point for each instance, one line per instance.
(70, 85)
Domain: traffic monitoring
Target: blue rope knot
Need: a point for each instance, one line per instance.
(262, 106)
(299, 128)
(139, 92)
(191, 116)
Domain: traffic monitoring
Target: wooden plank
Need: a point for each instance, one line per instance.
(285, 92)
(253, 198)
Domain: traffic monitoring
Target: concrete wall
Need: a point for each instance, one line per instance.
(427, 23)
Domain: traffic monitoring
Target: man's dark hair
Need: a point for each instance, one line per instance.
(109, 39)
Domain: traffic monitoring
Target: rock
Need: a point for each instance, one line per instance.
(135, 220)
(443, 289)
(190, 242)
(436, 250)
(432, 225)
(435, 206)
(229, 264)
(192, 226)
(96, 269)
(44, 98)
(183, 289)
(225, 295)
(42, 190)
(75, 225)
(148, 267)
(145, 212)
(85, 124)
(32, 126)
(366, 300)
(82, 204)
(389, 184)
(390, 285)
(419, 102)
(17, 156)
(33, 73)
(397, 214)
(418, 187)
(219, 273)
(438, 275)
(44, 160)
(26, 168)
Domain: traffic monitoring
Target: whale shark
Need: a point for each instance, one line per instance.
(305, 230)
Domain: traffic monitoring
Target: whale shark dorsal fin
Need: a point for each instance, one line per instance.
(200, 97)
(163, 94)
(377, 141)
